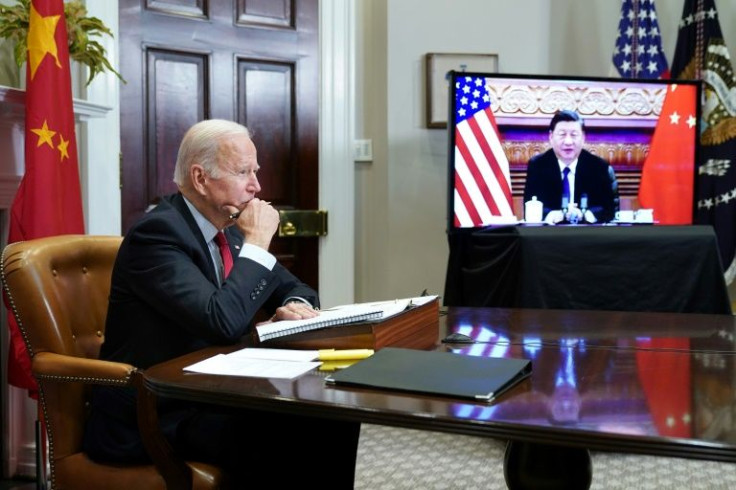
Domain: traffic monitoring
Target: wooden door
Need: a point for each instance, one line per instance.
(252, 61)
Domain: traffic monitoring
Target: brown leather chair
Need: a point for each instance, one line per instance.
(58, 289)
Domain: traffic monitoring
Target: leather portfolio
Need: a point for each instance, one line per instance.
(417, 327)
(436, 372)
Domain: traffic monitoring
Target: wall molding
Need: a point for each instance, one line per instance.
(13, 102)
(336, 165)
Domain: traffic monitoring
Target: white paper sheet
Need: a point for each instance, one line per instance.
(275, 354)
(223, 364)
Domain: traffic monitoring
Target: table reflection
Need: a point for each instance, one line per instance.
(659, 386)
(714, 397)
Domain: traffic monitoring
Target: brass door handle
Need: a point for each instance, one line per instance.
(302, 223)
(288, 229)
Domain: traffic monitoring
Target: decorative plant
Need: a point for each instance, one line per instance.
(14, 26)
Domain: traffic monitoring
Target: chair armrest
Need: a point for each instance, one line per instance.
(59, 367)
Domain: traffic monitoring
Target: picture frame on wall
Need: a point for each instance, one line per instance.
(437, 67)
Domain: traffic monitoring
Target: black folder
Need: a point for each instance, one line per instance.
(436, 372)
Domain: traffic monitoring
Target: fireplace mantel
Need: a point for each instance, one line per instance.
(13, 100)
(12, 120)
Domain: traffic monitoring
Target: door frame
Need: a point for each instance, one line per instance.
(337, 26)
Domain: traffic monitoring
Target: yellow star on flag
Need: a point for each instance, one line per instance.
(63, 148)
(41, 39)
(44, 135)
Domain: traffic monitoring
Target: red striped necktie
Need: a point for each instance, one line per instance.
(227, 257)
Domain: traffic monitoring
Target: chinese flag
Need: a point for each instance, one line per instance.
(669, 397)
(667, 178)
(48, 201)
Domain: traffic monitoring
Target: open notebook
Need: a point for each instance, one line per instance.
(340, 315)
(440, 373)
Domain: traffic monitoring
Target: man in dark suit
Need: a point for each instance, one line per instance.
(177, 287)
(573, 184)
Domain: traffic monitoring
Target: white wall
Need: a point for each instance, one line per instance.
(583, 32)
(401, 245)
(101, 172)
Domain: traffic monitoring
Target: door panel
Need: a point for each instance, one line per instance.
(177, 90)
(265, 105)
(253, 61)
(182, 7)
(272, 13)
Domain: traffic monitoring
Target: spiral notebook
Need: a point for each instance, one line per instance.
(326, 318)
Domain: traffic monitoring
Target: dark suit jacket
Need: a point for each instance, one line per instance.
(165, 301)
(593, 176)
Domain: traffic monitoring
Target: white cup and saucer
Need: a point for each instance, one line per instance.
(644, 216)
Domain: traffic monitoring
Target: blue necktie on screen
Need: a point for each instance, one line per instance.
(565, 187)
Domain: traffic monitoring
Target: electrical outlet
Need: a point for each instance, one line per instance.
(363, 150)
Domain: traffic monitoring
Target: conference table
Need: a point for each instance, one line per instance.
(633, 382)
(588, 267)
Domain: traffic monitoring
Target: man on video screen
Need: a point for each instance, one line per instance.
(573, 185)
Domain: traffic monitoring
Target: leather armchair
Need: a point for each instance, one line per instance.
(58, 288)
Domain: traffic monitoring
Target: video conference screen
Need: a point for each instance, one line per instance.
(645, 131)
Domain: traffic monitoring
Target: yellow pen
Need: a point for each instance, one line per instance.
(335, 365)
(337, 355)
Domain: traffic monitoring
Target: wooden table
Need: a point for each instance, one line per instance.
(650, 383)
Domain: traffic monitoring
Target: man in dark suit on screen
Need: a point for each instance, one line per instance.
(191, 273)
(573, 185)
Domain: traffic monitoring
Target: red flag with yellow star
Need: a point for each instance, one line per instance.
(669, 398)
(48, 201)
(668, 174)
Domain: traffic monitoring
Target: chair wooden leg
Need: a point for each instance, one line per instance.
(174, 470)
(40, 473)
(41, 450)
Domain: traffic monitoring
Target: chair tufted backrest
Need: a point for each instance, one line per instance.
(59, 288)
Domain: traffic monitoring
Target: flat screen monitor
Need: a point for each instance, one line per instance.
(646, 131)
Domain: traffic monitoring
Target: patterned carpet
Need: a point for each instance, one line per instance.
(397, 459)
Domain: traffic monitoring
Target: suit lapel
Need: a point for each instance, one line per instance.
(554, 175)
(581, 175)
(234, 240)
(177, 202)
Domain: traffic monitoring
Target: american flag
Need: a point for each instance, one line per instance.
(638, 52)
(482, 180)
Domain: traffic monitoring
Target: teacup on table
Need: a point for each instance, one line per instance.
(625, 216)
